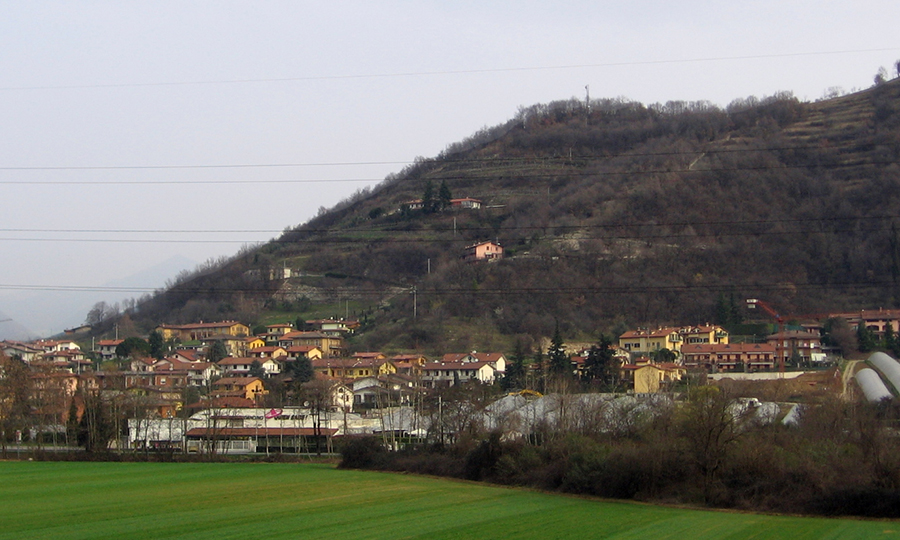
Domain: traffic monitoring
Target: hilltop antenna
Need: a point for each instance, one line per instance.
(587, 103)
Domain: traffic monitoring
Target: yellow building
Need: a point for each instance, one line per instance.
(650, 378)
(650, 341)
(671, 338)
(201, 330)
(713, 334)
(331, 346)
(244, 387)
(348, 368)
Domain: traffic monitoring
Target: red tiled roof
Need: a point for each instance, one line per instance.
(237, 361)
(237, 381)
(713, 348)
(224, 402)
(659, 332)
(480, 357)
(192, 326)
(437, 366)
(259, 432)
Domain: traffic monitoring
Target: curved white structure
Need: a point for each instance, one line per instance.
(888, 367)
(872, 385)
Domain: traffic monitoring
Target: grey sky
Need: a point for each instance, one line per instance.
(114, 94)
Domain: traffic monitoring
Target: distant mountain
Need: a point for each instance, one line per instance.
(51, 312)
(611, 216)
(10, 329)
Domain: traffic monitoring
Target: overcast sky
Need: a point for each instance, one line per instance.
(133, 132)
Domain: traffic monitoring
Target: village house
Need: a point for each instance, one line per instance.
(201, 330)
(68, 359)
(331, 346)
(496, 360)
(350, 368)
(106, 348)
(334, 327)
(409, 365)
(795, 344)
(303, 351)
(23, 351)
(483, 251)
(876, 320)
(50, 345)
(279, 329)
(646, 341)
(446, 374)
(414, 204)
(466, 203)
(187, 355)
(162, 379)
(647, 377)
(197, 373)
(245, 387)
(650, 341)
(234, 345)
(369, 356)
(275, 352)
(729, 356)
(240, 366)
(383, 391)
(141, 364)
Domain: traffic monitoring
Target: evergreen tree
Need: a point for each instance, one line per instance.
(133, 347)
(728, 312)
(664, 355)
(301, 370)
(157, 345)
(444, 196)
(216, 352)
(538, 368)
(429, 203)
(515, 370)
(556, 354)
(256, 369)
(865, 338)
(601, 365)
(890, 343)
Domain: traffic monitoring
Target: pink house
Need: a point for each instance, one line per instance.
(483, 251)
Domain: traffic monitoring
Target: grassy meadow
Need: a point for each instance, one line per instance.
(62, 501)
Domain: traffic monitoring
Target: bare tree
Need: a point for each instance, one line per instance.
(15, 397)
(711, 423)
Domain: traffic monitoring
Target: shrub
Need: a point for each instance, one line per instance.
(362, 452)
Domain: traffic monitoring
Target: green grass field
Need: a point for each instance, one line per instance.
(249, 501)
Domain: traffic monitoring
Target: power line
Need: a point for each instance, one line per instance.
(222, 166)
(436, 161)
(526, 176)
(495, 291)
(551, 231)
(444, 72)
(465, 228)
(182, 182)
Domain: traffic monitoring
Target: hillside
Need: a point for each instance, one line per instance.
(614, 215)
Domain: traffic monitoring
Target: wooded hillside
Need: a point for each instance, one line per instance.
(611, 215)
